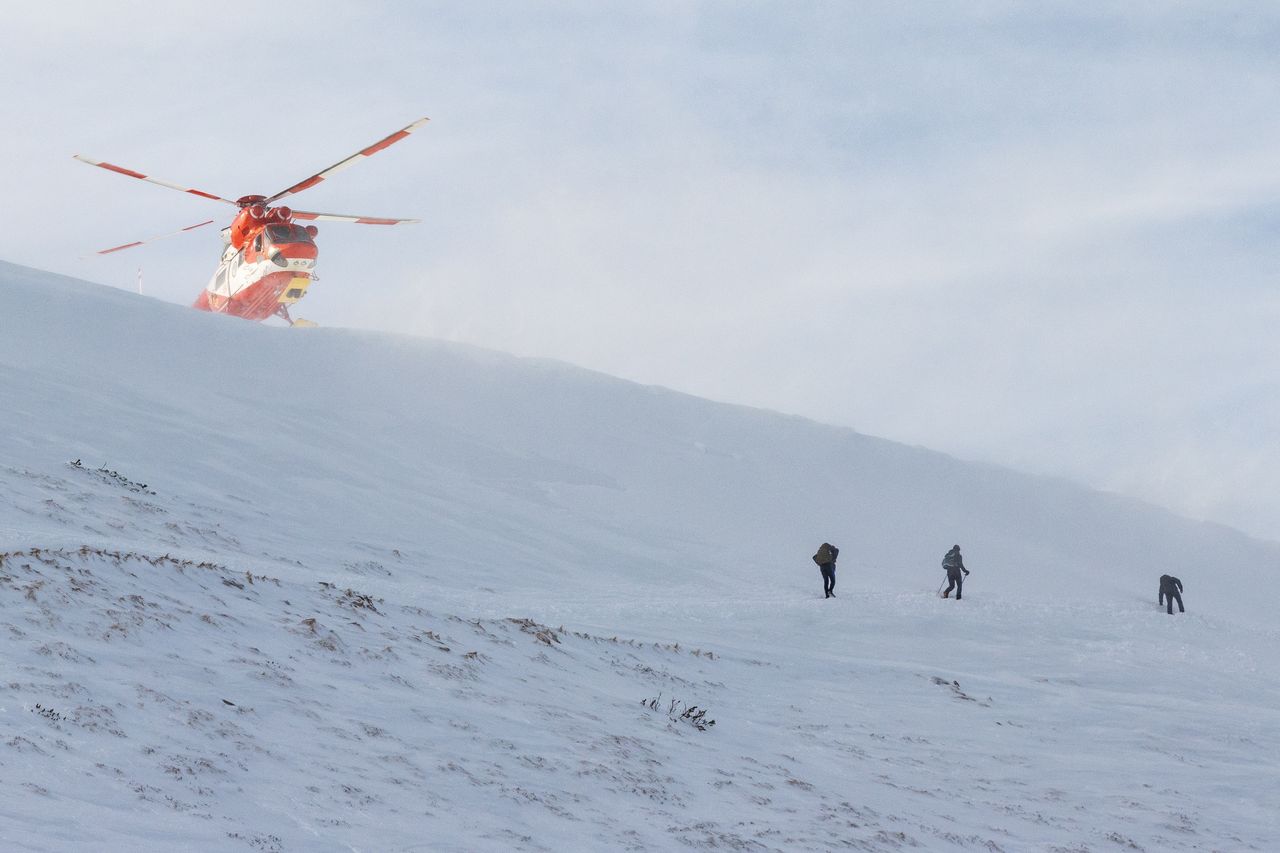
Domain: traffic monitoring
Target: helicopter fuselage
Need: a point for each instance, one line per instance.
(267, 264)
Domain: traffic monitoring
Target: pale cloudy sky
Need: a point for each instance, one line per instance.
(1036, 234)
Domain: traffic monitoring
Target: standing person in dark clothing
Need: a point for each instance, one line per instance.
(954, 566)
(826, 560)
(1170, 589)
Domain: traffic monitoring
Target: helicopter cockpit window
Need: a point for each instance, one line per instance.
(288, 234)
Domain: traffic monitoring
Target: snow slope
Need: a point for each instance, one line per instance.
(328, 590)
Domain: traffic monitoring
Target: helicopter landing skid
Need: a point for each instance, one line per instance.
(282, 311)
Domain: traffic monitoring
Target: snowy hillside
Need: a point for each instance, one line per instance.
(328, 590)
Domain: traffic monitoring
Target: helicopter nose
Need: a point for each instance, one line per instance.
(297, 251)
(294, 256)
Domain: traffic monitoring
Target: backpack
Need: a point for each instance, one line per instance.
(824, 555)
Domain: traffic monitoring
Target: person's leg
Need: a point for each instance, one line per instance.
(1169, 600)
(951, 584)
(1181, 609)
(959, 586)
(831, 587)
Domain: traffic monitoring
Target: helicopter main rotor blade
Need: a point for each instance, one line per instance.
(342, 217)
(111, 167)
(157, 237)
(353, 159)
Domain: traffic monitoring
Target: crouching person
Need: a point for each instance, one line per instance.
(1171, 590)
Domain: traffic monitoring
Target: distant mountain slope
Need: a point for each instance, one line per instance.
(541, 471)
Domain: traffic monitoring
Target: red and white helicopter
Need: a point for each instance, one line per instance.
(268, 260)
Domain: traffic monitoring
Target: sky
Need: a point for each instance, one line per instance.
(1037, 235)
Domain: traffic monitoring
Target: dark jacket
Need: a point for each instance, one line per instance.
(953, 563)
(1169, 585)
(826, 555)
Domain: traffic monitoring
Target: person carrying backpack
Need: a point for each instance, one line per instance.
(826, 560)
(954, 566)
(1171, 588)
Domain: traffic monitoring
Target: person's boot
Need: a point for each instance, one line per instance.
(946, 594)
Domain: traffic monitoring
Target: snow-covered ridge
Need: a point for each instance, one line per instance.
(198, 696)
(301, 442)
(159, 704)
(270, 589)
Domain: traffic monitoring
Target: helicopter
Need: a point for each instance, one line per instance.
(268, 257)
